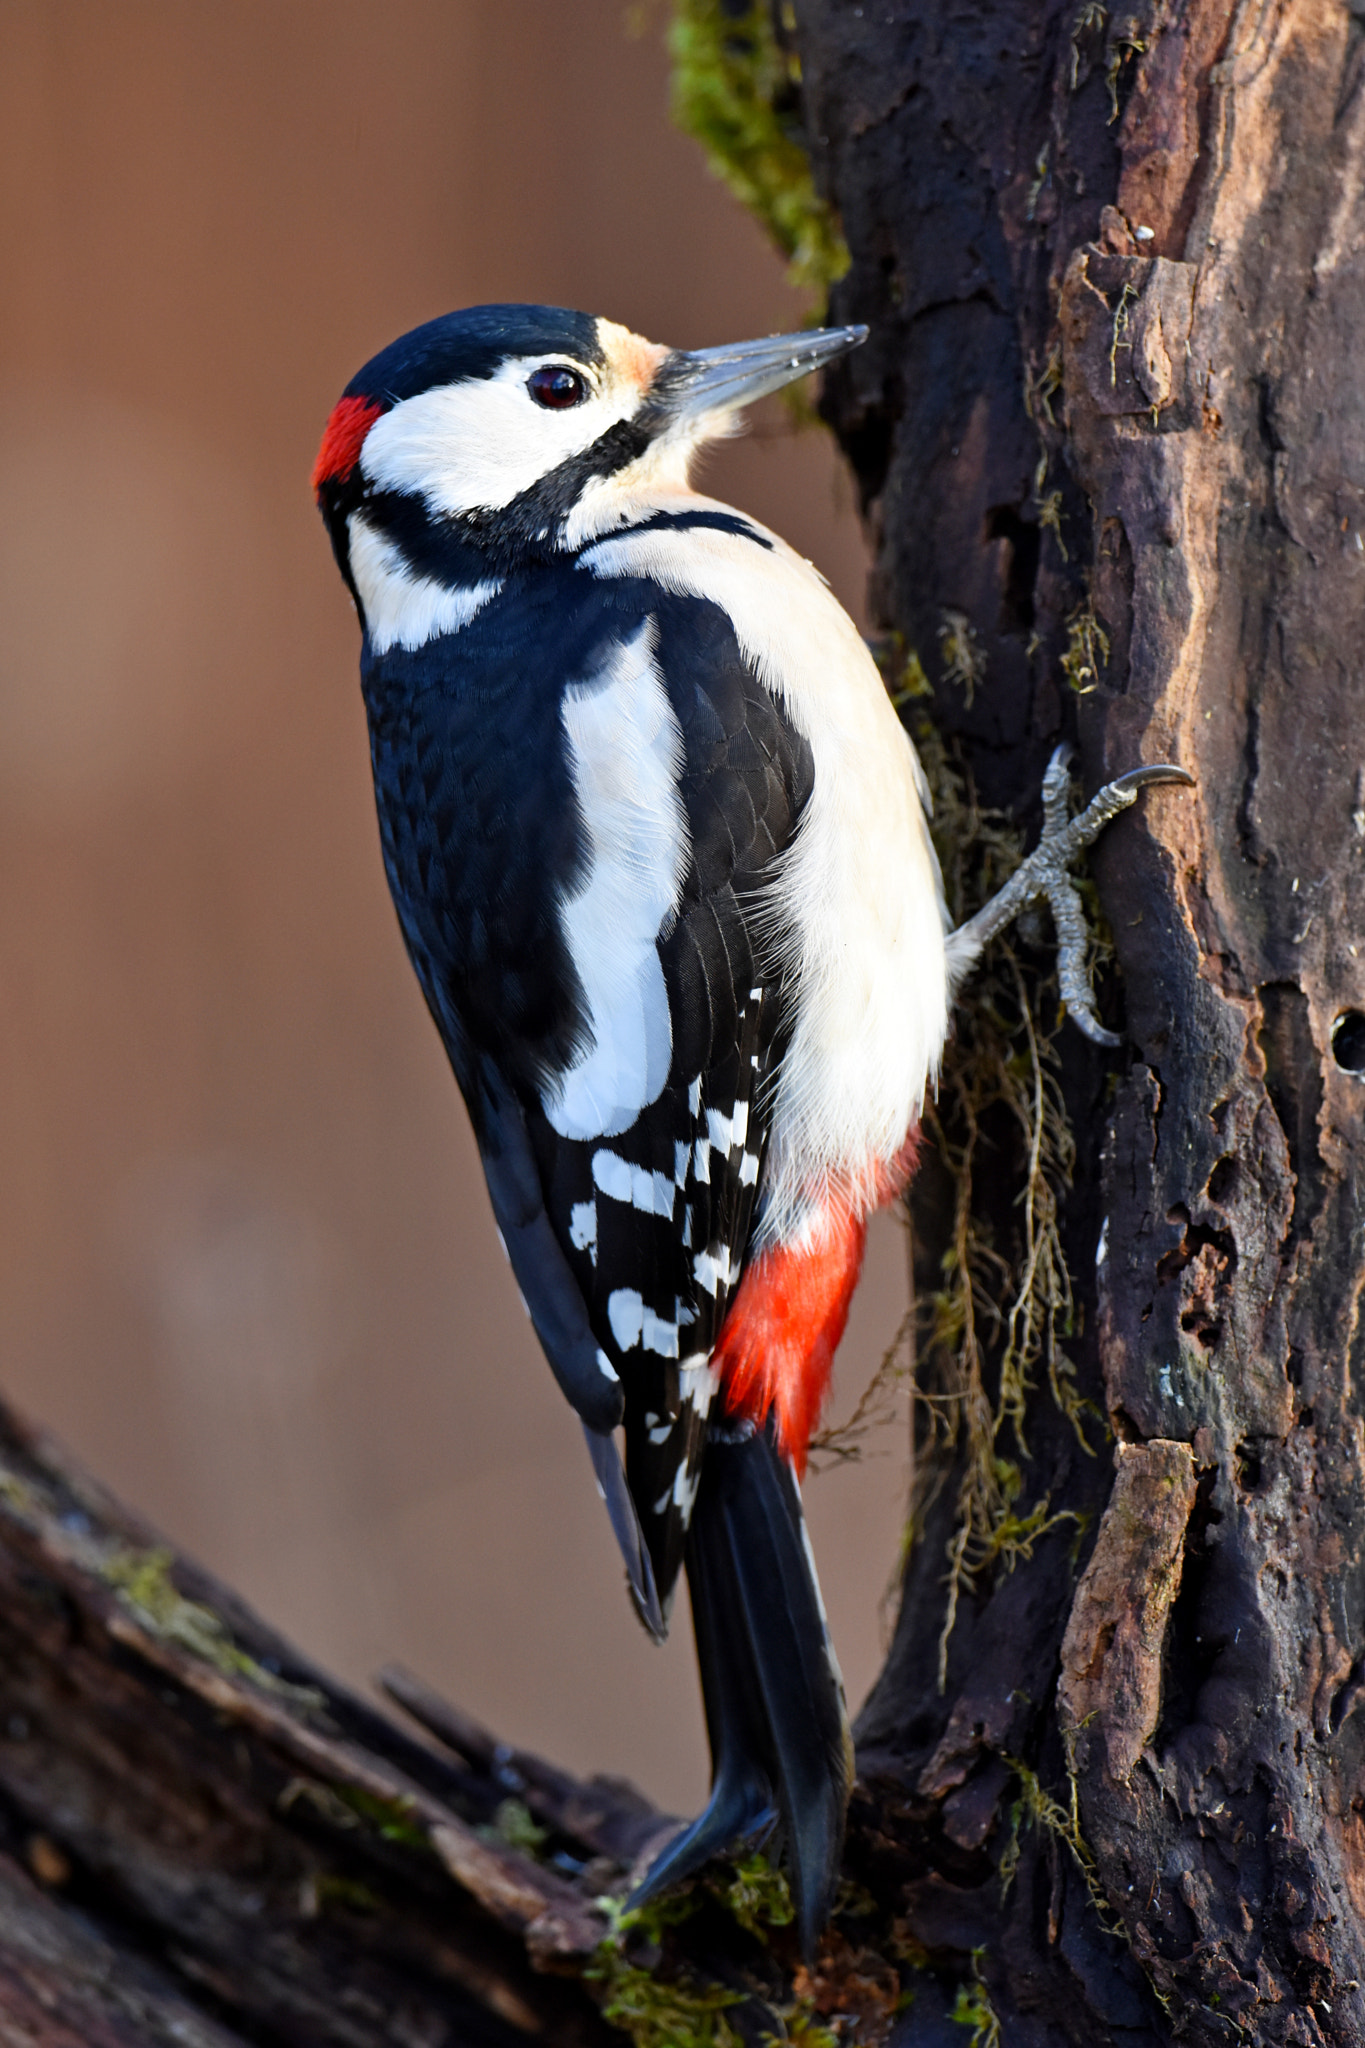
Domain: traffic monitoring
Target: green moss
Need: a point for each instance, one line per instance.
(658, 2014)
(758, 1896)
(672, 2010)
(1035, 1807)
(736, 88)
(145, 1587)
(346, 1892)
(515, 1824)
(390, 1818)
(803, 2026)
(999, 1319)
(662, 2005)
(973, 2008)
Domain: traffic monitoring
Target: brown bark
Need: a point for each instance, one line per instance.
(204, 1841)
(1116, 254)
(1110, 432)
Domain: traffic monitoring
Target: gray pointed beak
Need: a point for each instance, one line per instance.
(708, 380)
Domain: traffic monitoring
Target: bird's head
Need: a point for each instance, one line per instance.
(503, 431)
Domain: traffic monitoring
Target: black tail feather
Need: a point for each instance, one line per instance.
(774, 1701)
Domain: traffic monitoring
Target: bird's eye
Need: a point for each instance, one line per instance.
(555, 387)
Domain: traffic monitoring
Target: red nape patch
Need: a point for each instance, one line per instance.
(350, 422)
(778, 1343)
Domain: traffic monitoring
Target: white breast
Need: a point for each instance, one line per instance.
(859, 887)
(626, 754)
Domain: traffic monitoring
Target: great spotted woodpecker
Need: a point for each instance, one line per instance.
(658, 847)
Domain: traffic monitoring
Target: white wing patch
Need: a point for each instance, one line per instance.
(697, 1381)
(715, 1268)
(652, 1193)
(403, 610)
(634, 1322)
(583, 1228)
(626, 755)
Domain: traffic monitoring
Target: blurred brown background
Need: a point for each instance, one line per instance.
(247, 1267)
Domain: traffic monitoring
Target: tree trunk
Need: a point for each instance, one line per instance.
(1110, 435)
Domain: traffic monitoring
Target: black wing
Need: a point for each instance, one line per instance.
(656, 1220)
(628, 1246)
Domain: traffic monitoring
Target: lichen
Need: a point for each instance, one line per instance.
(1120, 332)
(736, 91)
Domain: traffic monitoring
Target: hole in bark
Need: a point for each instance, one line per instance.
(866, 435)
(1293, 1078)
(1191, 1647)
(1250, 1472)
(1348, 1041)
(1222, 1181)
(1205, 1327)
(1199, 1237)
(1021, 566)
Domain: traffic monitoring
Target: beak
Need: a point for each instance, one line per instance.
(710, 380)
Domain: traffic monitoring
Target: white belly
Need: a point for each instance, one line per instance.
(859, 887)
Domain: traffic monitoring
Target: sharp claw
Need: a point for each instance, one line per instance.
(1089, 1023)
(1044, 874)
(1153, 771)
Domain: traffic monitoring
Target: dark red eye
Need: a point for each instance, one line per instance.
(554, 386)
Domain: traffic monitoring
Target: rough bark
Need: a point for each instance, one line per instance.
(1110, 434)
(204, 1841)
(1112, 262)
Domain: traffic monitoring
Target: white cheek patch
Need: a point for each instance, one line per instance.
(403, 610)
(625, 753)
(473, 447)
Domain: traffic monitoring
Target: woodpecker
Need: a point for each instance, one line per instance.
(659, 850)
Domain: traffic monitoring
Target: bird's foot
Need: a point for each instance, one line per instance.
(1044, 873)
